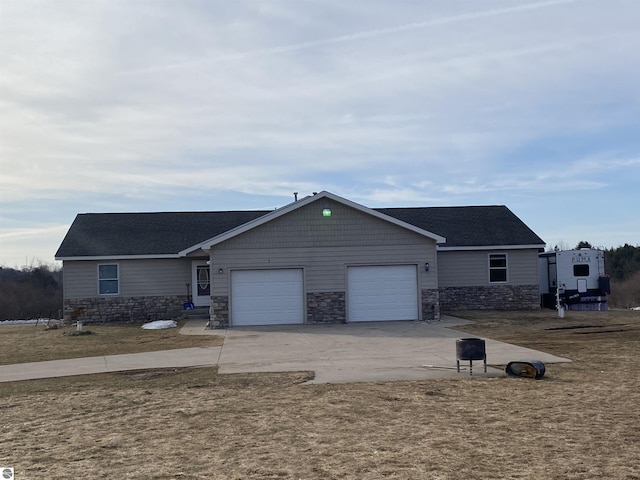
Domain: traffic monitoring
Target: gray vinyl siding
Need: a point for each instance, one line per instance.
(306, 227)
(137, 277)
(324, 247)
(325, 268)
(471, 268)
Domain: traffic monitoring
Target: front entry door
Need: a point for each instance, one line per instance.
(201, 283)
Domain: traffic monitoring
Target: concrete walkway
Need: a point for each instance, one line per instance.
(358, 352)
(182, 357)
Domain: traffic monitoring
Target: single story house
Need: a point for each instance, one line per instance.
(320, 259)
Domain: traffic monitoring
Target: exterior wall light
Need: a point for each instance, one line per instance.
(326, 212)
(220, 271)
(426, 267)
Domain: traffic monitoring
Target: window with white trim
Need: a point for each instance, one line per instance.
(108, 279)
(498, 268)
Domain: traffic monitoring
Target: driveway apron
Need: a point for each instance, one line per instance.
(376, 351)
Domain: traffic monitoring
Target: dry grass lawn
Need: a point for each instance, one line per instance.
(29, 343)
(581, 421)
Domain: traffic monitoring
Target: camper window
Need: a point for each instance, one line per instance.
(581, 270)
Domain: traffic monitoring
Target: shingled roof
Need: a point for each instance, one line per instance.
(476, 226)
(167, 233)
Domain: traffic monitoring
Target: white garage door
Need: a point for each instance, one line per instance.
(382, 293)
(266, 297)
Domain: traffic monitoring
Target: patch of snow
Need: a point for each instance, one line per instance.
(33, 321)
(159, 325)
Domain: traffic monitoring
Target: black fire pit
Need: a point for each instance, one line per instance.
(471, 349)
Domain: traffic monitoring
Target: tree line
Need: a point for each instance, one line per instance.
(33, 292)
(622, 264)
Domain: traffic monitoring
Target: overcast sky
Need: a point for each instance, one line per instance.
(167, 105)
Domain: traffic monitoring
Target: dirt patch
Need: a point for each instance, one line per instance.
(79, 333)
(598, 332)
(576, 327)
(594, 329)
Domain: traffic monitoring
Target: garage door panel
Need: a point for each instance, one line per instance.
(382, 293)
(266, 297)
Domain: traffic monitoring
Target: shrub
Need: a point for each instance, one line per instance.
(625, 293)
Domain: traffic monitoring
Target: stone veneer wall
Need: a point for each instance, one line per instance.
(326, 307)
(494, 297)
(123, 309)
(330, 307)
(219, 311)
(430, 304)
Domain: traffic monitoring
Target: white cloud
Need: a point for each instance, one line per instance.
(436, 103)
(349, 38)
(27, 247)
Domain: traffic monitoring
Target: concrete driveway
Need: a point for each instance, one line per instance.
(359, 352)
(377, 351)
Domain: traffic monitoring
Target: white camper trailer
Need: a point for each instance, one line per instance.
(576, 277)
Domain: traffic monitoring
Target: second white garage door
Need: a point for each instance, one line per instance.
(266, 297)
(382, 293)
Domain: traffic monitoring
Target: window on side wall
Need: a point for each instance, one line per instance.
(498, 268)
(108, 279)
